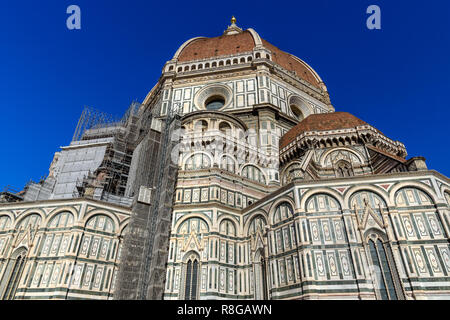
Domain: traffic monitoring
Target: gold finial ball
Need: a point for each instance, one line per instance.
(233, 20)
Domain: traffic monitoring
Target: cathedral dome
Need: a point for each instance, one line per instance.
(322, 122)
(236, 41)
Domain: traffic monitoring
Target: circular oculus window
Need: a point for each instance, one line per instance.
(214, 97)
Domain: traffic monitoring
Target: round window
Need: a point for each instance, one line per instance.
(213, 97)
(297, 113)
(215, 103)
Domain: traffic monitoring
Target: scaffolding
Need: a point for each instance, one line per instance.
(9, 194)
(111, 176)
(142, 270)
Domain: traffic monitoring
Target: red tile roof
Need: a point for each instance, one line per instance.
(204, 48)
(219, 46)
(322, 122)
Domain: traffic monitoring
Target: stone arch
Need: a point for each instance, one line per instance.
(375, 189)
(192, 155)
(184, 219)
(96, 212)
(359, 197)
(255, 166)
(327, 153)
(188, 254)
(224, 126)
(55, 215)
(28, 213)
(274, 206)
(330, 192)
(287, 168)
(412, 184)
(55, 212)
(251, 218)
(233, 160)
(9, 216)
(327, 198)
(233, 223)
(419, 191)
(381, 233)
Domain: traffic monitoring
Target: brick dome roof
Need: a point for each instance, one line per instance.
(322, 122)
(244, 41)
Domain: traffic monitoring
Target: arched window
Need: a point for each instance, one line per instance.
(242, 60)
(227, 228)
(61, 220)
(227, 163)
(197, 225)
(343, 169)
(297, 112)
(225, 128)
(100, 223)
(253, 173)
(360, 201)
(214, 64)
(13, 274)
(5, 223)
(191, 283)
(257, 224)
(284, 211)
(215, 103)
(197, 161)
(33, 220)
(383, 273)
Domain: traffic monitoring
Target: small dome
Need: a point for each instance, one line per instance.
(322, 122)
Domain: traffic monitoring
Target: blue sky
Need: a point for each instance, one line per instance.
(397, 79)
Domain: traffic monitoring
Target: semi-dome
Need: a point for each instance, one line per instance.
(237, 41)
(339, 128)
(322, 122)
